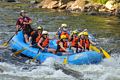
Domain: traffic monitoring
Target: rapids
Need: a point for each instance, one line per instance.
(106, 29)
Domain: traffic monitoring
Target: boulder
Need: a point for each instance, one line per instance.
(78, 4)
(63, 6)
(69, 4)
(52, 5)
(109, 4)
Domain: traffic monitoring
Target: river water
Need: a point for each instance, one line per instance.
(106, 30)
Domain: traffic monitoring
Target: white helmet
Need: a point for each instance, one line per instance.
(22, 11)
(44, 32)
(63, 25)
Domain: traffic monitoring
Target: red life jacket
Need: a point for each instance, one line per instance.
(74, 42)
(85, 43)
(65, 45)
(45, 42)
(38, 37)
(35, 36)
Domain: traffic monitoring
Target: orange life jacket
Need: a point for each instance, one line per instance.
(65, 33)
(32, 32)
(45, 42)
(85, 43)
(65, 45)
(38, 38)
(35, 35)
(74, 42)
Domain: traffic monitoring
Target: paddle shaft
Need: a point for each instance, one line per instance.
(10, 39)
(38, 54)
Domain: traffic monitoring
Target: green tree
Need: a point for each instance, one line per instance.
(100, 1)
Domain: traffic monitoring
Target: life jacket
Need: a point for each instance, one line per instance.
(65, 33)
(45, 42)
(85, 43)
(65, 45)
(38, 38)
(74, 41)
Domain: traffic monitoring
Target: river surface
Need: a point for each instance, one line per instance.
(106, 30)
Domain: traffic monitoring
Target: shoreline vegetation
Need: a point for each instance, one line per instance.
(90, 7)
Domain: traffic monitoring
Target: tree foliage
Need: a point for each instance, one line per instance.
(100, 1)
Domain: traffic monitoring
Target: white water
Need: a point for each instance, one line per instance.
(109, 69)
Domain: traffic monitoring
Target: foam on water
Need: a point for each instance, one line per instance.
(109, 69)
(45, 71)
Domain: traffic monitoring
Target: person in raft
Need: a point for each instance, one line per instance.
(35, 36)
(74, 41)
(62, 45)
(43, 43)
(84, 42)
(23, 23)
(63, 30)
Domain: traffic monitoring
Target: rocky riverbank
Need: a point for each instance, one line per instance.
(90, 7)
(111, 7)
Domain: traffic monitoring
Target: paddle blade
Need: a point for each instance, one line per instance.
(19, 51)
(106, 54)
(65, 61)
(5, 44)
(94, 48)
(33, 60)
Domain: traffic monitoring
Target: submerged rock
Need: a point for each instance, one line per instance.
(1, 70)
(68, 71)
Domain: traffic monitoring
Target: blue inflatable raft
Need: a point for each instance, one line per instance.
(89, 57)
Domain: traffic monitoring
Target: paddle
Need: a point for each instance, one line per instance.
(38, 54)
(18, 52)
(6, 43)
(105, 53)
(65, 61)
(94, 48)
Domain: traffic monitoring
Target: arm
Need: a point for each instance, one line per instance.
(92, 42)
(39, 43)
(61, 45)
(30, 40)
(80, 45)
(17, 26)
(29, 21)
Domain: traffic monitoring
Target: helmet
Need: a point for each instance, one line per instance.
(85, 33)
(22, 11)
(63, 25)
(81, 33)
(74, 32)
(63, 37)
(39, 28)
(44, 32)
